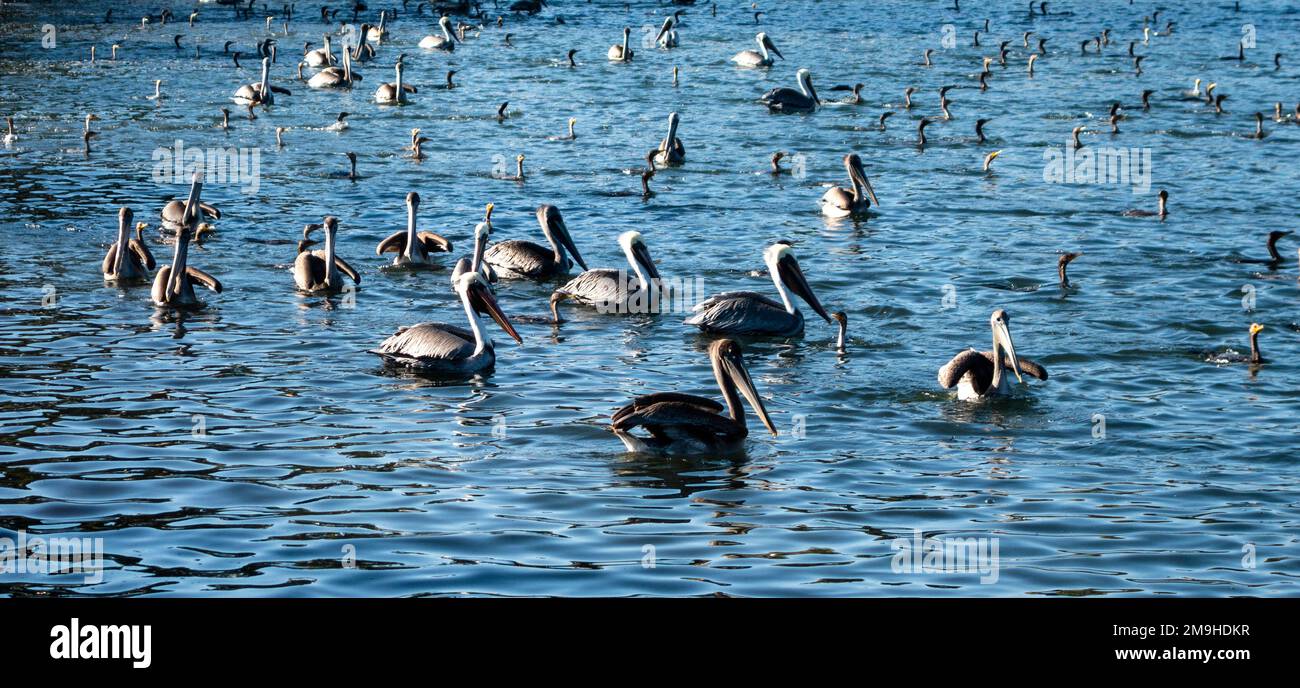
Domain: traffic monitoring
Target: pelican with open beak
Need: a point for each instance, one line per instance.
(752, 314)
(790, 100)
(128, 260)
(760, 57)
(174, 284)
(321, 272)
(412, 247)
(517, 259)
(447, 41)
(856, 200)
(609, 290)
(683, 424)
(983, 374)
(445, 350)
(671, 151)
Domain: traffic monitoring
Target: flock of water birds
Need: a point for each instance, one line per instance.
(666, 422)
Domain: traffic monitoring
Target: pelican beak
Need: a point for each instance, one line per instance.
(734, 365)
(555, 226)
(482, 300)
(866, 183)
(771, 46)
(642, 254)
(663, 30)
(1004, 336)
(793, 278)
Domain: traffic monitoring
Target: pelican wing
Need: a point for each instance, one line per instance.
(141, 250)
(839, 197)
(1027, 367)
(979, 364)
(309, 270)
(395, 243)
(786, 99)
(347, 269)
(435, 341)
(647, 400)
(110, 260)
(741, 312)
(595, 286)
(671, 420)
(520, 257)
(434, 243)
(203, 278)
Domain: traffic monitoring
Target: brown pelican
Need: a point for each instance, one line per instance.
(321, 57)
(790, 100)
(379, 33)
(173, 215)
(621, 53)
(1162, 211)
(749, 313)
(526, 260)
(855, 200)
(335, 77)
(364, 51)
(127, 260)
(394, 93)
(671, 151)
(174, 284)
(412, 247)
(262, 92)
(982, 374)
(319, 271)
(446, 350)
(667, 36)
(610, 290)
(759, 58)
(686, 424)
(447, 41)
(1061, 264)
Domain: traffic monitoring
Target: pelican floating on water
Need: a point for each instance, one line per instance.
(442, 349)
(447, 41)
(842, 202)
(667, 36)
(174, 284)
(394, 93)
(320, 57)
(609, 290)
(671, 151)
(982, 374)
(335, 77)
(412, 247)
(525, 260)
(686, 424)
(127, 260)
(750, 313)
(790, 100)
(622, 53)
(321, 271)
(262, 92)
(760, 57)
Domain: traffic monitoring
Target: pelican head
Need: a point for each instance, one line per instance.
(667, 26)
(853, 164)
(638, 253)
(548, 216)
(1000, 322)
(804, 77)
(475, 293)
(766, 42)
(729, 369)
(785, 270)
